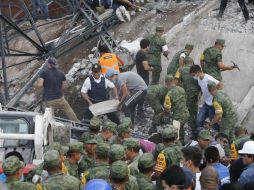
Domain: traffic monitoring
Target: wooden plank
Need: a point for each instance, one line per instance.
(245, 106)
(104, 107)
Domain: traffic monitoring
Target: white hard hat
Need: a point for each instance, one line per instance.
(248, 148)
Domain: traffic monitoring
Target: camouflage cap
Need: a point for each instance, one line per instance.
(220, 41)
(127, 121)
(76, 147)
(205, 134)
(119, 170)
(189, 46)
(211, 85)
(11, 165)
(169, 78)
(189, 60)
(146, 160)
(95, 123)
(131, 143)
(111, 126)
(122, 128)
(52, 158)
(159, 29)
(88, 138)
(116, 152)
(102, 149)
(169, 132)
(57, 146)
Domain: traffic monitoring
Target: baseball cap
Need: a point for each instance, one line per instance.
(52, 158)
(146, 160)
(96, 67)
(205, 134)
(111, 72)
(11, 165)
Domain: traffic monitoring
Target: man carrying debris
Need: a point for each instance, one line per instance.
(179, 59)
(225, 112)
(109, 60)
(142, 63)
(157, 46)
(94, 91)
(175, 101)
(211, 60)
(133, 90)
(54, 82)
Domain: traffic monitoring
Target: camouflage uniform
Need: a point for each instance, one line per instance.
(205, 135)
(100, 170)
(58, 180)
(224, 106)
(169, 156)
(73, 168)
(145, 182)
(176, 99)
(10, 167)
(154, 54)
(174, 64)
(110, 126)
(122, 128)
(119, 170)
(132, 143)
(211, 57)
(192, 90)
(95, 124)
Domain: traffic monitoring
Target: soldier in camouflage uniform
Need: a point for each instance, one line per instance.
(58, 180)
(12, 168)
(225, 112)
(115, 153)
(191, 88)
(179, 59)
(119, 177)
(170, 155)
(95, 124)
(123, 132)
(211, 60)
(155, 98)
(132, 147)
(157, 46)
(175, 101)
(145, 164)
(108, 131)
(88, 155)
(73, 158)
(101, 165)
(241, 137)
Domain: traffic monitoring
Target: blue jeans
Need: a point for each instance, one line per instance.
(42, 6)
(204, 112)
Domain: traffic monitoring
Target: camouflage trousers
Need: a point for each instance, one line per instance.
(183, 119)
(192, 104)
(156, 73)
(227, 127)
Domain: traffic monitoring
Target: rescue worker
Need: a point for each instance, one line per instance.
(241, 136)
(155, 98)
(56, 179)
(13, 169)
(145, 165)
(94, 128)
(109, 60)
(157, 46)
(225, 112)
(191, 88)
(94, 91)
(132, 147)
(175, 101)
(170, 155)
(179, 59)
(73, 158)
(211, 60)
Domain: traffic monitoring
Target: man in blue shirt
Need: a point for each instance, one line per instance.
(247, 153)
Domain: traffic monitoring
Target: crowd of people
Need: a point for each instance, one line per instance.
(220, 154)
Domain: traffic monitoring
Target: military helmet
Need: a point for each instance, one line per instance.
(102, 149)
(96, 67)
(11, 165)
(76, 147)
(52, 158)
(116, 152)
(95, 123)
(146, 160)
(119, 170)
(169, 132)
(131, 143)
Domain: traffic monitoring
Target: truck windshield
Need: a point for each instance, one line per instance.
(12, 125)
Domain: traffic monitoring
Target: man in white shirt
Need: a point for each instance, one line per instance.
(94, 90)
(207, 109)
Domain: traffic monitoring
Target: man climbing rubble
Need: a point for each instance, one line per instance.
(54, 82)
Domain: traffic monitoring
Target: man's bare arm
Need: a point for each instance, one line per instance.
(86, 98)
(40, 82)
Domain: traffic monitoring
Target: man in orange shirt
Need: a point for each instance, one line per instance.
(109, 60)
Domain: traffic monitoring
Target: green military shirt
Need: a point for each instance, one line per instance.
(61, 181)
(134, 166)
(144, 182)
(73, 169)
(100, 170)
(132, 184)
(174, 64)
(173, 154)
(190, 85)
(212, 56)
(155, 97)
(178, 103)
(154, 53)
(18, 185)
